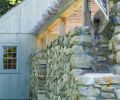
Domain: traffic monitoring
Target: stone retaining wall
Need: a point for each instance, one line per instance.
(68, 56)
(97, 87)
(114, 43)
(38, 74)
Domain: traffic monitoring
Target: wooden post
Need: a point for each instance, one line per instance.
(88, 22)
(48, 37)
(62, 25)
(85, 11)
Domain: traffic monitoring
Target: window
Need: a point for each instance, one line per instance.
(9, 57)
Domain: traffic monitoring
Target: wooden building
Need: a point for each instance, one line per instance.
(23, 30)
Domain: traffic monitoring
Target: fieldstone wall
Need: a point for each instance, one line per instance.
(114, 43)
(97, 87)
(68, 56)
(102, 52)
(70, 59)
(38, 74)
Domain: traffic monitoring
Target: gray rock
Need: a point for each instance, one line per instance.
(89, 91)
(110, 45)
(43, 61)
(111, 79)
(116, 7)
(80, 39)
(108, 99)
(77, 72)
(77, 49)
(117, 29)
(118, 94)
(111, 59)
(101, 58)
(107, 88)
(80, 30)
(117, 68)
(87, 98)
(75, 31)
(83, 80)
(116, 20)
(107, 95)
(116, 47)
(116, 38)
(117, 57)
(81, 61)
(114, 43)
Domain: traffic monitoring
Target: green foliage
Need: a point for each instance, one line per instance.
(5, 5)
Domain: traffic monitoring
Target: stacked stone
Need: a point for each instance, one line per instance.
(101, 41)
(38, 73)
(102, 54)
(68, 56)
(98, 87)
(114, 44)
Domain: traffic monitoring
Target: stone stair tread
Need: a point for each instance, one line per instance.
(42, 91)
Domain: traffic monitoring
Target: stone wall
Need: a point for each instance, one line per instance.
(38, 74)
(68, 56)
(114, 43)
(70, 59)
(98, 87)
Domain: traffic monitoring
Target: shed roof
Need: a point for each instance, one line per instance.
(53, 13)
(24, 17)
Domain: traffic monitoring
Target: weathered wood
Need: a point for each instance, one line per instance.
(62, 25)
(14, 84)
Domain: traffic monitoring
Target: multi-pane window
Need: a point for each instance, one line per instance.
(9, 57)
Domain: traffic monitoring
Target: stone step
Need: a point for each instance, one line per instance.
(104, 69)
(42, 91)
(42, 66)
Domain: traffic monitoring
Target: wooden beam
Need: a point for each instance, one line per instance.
(54, 24)
(62, 25)
(67, 13)
(47, 37)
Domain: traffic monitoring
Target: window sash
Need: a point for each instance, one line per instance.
(9, 57)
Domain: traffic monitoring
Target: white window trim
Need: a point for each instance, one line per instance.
(8, 71)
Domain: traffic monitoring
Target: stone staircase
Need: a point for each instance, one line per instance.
(38, 75)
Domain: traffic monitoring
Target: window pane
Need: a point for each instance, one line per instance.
(14, 55)
(14, 50)
(9, 50)
(9, 57)
(5, 66)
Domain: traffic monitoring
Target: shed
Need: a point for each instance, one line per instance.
(17, 43)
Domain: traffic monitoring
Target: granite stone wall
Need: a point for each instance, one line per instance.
(38, 74)
(114, 43)
(70, 59)
(68, 56)
(98, 87)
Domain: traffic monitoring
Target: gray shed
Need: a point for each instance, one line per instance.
(17, 43)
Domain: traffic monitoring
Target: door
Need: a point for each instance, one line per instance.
(15, 51)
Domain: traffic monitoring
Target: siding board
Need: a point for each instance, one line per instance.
(24, 17)
(19, 81)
